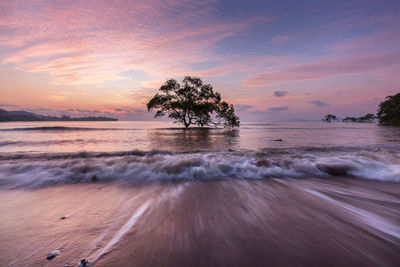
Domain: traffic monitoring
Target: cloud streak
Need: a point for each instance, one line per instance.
(319, 103)
(281, 93)
(242, 108)
(276, 109)
(327, 68)
(85, 42)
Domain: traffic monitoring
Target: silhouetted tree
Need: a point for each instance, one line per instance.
(193, 103)
(389, 110)
(367, 118)
(350, 119)
(329, 118)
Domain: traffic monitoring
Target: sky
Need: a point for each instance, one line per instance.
(274, 60)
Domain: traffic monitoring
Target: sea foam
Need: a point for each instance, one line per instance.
(143, 167)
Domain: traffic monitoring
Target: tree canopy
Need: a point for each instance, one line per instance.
(367, 118)
(389, 110)
(329, 118)
(192, 103)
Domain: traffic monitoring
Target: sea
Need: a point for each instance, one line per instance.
(130, 193)
(43, 154)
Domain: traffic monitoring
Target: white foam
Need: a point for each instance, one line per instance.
(164, 167)
(379, 226)
(124, 229)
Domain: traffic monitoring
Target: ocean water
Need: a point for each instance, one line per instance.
(42, 154)
(137, 194)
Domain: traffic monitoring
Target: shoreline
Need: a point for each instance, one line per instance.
(277, 222)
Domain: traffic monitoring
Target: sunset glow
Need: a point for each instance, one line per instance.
(272, 62)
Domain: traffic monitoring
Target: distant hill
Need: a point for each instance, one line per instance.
(29, 116)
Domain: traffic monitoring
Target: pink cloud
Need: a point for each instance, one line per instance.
(375, 42)
(83, 42)
(327, 68)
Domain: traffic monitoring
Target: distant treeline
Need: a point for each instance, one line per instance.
(388, 113)
(363, 119)
(29, 116)
(367, 118)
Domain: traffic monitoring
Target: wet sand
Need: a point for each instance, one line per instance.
(270, 222)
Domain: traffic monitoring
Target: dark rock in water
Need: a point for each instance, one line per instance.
(63, 218)
(225, 168)
(278, 140)
(263, 163)
(230, 150)
(94, 178)
(52, 254)
(335, 170)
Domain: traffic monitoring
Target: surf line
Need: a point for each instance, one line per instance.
(375, 222)
(100, 238)
(124, 229)
(169, 194)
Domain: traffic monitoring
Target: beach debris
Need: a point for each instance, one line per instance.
(52, 254)
(66, 265)
(94, 178)
(278, 140)
(63, 218)
(83, 263)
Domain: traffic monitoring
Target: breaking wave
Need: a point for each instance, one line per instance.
(143, 167)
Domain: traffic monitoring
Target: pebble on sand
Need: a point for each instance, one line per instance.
(52, 254)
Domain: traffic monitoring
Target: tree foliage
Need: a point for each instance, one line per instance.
(367, 118)
(329, 118)
(350, 119)
(389, 110)
(192, 103)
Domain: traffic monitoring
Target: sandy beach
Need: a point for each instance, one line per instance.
(270, 222)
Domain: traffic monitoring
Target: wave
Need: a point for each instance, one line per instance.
(57, 128)
(81, 155)
(262, 152)
(45, 143)
(8, 143)
(143, 167)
